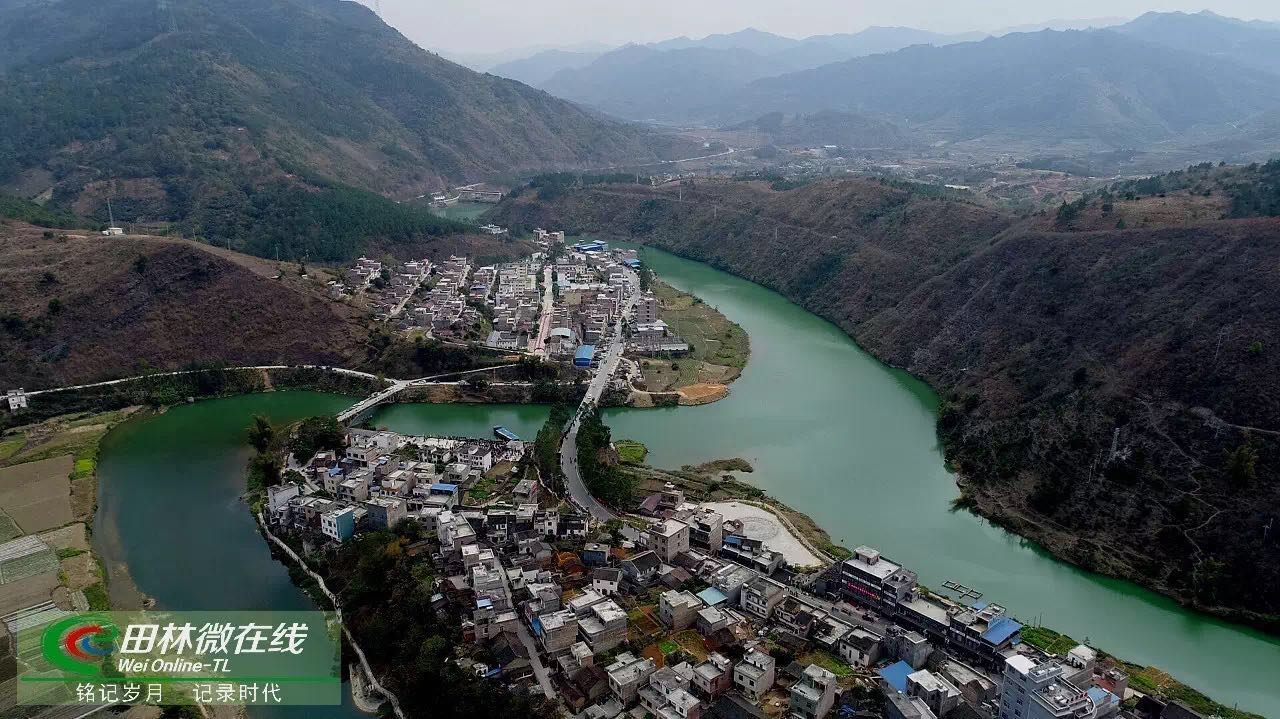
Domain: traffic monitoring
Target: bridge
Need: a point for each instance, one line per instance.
(18, 398)
(367, 404)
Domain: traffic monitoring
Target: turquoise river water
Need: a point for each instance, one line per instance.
(829, 430)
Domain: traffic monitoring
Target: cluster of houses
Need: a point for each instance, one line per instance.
(386, 289)
(443, 311)
(511, 291)
(381, 478)
(594, 285)
(678, 613)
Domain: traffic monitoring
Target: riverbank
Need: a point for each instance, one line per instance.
(1018, 329)
(718, 351)
(48, 490)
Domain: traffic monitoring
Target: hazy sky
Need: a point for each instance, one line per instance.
(493, 25)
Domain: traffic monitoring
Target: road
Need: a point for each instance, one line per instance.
(538, 344)
(569, 446)
(339, 370)
(535, 657)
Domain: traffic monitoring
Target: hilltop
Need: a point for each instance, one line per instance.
(1108, 393)
(78, 307)
(238, 118)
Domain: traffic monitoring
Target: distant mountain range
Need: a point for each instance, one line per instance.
(683, 79)
(228, 116)
(1173, 78)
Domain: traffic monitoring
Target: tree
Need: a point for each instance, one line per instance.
(1242, 465)
(261, 434)
(316, 434)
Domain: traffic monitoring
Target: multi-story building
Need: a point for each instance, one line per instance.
(626, 674)
(1038, 690)
(761, 595)
(667, 696)
(871, 580)
(706, 530)
(860, 647)
(814, 695)
(603, 626)
(606, 580)
(339, 524)
(678, 610)
(669, 539)
(901, 706)
(755, 674)
(713, 677)
(557, 630)
(938, 693)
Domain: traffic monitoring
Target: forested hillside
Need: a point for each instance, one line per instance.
(1111, 394)
(236, 119)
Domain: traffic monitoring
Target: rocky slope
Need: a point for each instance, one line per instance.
(1111, 394)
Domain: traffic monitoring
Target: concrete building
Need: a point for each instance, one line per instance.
(761, 595)
(626, 674)
(755, 674)
(706, 530)
(384, 512)
(606, 580)
(339, 524)
(713, 677)
(901, 706)
(557, 631)
(669, 539)
(871, 580)
(278, 495)
(1038, 690)
(678, 610)
(16, 399)
(603, 626)
(860, 647)
(935, 691)
(814, 695)
(667, 696)
(642, 569)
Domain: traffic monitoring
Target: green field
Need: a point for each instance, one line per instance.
(630, 451)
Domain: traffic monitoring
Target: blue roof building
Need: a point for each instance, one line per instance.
(1000, 630)
(896, 675)
(712, 596)
(584, 355)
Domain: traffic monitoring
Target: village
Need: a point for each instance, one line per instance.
(678, 610)
(557, 303)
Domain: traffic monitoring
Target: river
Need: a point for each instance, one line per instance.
(830, 431)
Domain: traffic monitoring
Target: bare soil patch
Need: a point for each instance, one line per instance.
(36, 495)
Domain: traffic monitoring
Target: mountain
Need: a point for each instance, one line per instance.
(1253, 44)
(205, 112)
(758, 41)
(541, 67)
(684, 80)
(642, 83)
(1094, 23)
(828, 127)
(823, 49)
(136, 303)
(1098, 87)
(488, 61)
(1110, 393)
